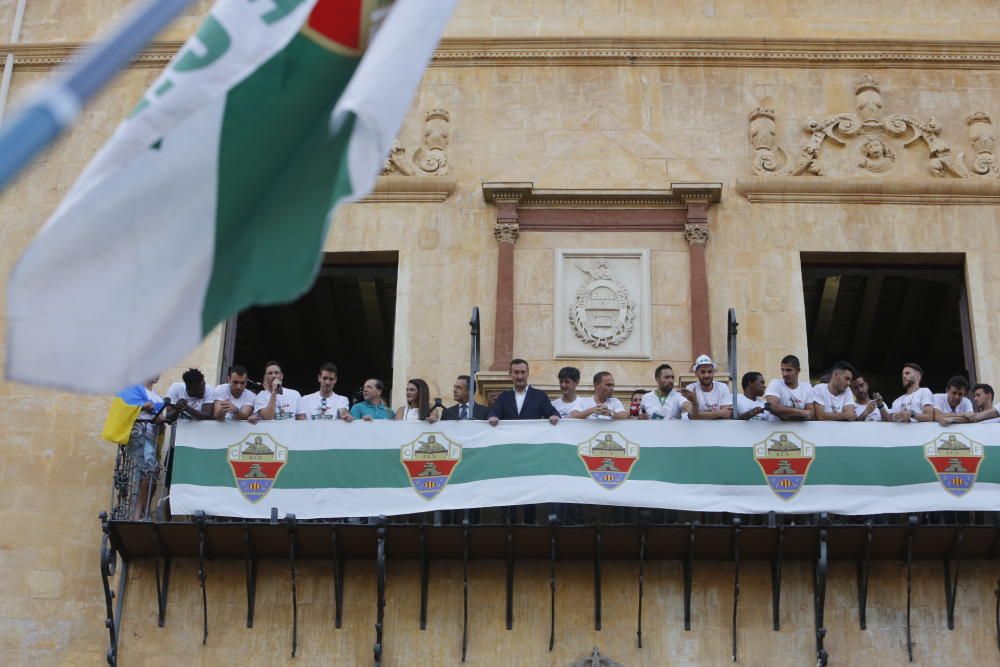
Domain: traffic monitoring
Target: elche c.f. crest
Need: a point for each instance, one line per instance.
(609, 458)
(784, 458)
(429, 461)
(603, 314)
(955, 459)
(256, 461)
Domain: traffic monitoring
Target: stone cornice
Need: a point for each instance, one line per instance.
(791, 189)
(528, 197)
(548, 51)
(395, 189)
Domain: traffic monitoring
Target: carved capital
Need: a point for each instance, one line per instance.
(506, 232)
(696, 233)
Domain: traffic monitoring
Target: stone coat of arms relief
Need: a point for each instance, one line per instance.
(602, 304)
(875, 141)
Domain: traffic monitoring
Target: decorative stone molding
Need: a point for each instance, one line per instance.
(595, 659)
(768, 157)
(983, 141)
(794, 190)
(590, 51)
(696, 233)
(871, 135)
(506, 232)
(431, 157)
(527, 197)
(412, 189)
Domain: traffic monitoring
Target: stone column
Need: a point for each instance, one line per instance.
(506, 233)
(696, 234)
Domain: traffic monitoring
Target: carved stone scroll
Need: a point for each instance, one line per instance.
(431, 157)
(874, 138)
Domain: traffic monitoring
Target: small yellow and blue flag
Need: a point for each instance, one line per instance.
(125, 408)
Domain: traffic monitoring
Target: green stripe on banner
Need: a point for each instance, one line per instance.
(726, 466)
(280, 174)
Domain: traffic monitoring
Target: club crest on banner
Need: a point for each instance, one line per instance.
(256, 461)
(609, 458)
(784, 458)
(955, 459)
(429, 461)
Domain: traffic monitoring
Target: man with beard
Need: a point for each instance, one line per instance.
(790, 400)
(832, 401)
(233, 401)
(522, 401)
(867, 408)
(275, 401)
(709, 399)
(663, 402)
(917, 404)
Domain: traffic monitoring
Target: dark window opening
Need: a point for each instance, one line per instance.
(346, 317)
(880, 310)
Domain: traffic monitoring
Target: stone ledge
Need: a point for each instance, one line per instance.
(527, 196)
(548, 51)
(794, 190)
(396, 189)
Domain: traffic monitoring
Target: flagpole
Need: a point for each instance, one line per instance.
(57, 104)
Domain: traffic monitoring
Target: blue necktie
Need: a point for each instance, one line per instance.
(463, 412)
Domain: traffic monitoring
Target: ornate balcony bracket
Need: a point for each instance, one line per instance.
(914, 521)
(424, 577)
(553, 524)
(951, 580)
(777, 561)
(162, 580)
(643, 519)
(292, 552)
(737, 523)
(465, 582)
(338, 580)
(510, 575)
(597, 578)
(251, 570)
(688, 574)
(380, 586)
(109, 568)
(864, 569)
(199, 521)
(819, 593)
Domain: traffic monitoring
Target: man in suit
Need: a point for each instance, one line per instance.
(523, 401)
(463, 409)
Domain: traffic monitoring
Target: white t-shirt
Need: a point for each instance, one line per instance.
(612, 404)
(914, 402)
(874, 416)
(153, 398)
(836, 404)
(719, 397)
(745, 405)
(286, 405)
(178, 391)
(668, 407)
(941, 403)
(311, 406)
(800, 398)
(224, 393)
(565, 409)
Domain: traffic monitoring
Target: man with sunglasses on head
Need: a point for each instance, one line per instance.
(324, 404)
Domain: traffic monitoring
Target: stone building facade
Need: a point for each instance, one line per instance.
(702, 150)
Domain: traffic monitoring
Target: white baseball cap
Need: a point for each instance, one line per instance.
(703, 360)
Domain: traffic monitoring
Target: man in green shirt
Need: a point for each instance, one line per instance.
(373, 407)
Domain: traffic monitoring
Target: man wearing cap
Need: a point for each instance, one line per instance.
(709, 399)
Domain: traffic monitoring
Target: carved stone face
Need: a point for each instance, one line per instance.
(436, 134)
(869, 105)
(874, 149)
(762, 132)
(981, 136)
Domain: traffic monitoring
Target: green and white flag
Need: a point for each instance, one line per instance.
(216, 193)
(315, 469)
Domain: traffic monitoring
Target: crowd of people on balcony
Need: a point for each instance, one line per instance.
(842, 395)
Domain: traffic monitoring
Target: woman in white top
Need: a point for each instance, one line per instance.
(418, 404)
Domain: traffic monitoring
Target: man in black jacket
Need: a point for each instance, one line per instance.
(523, 401)
(463, 409)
